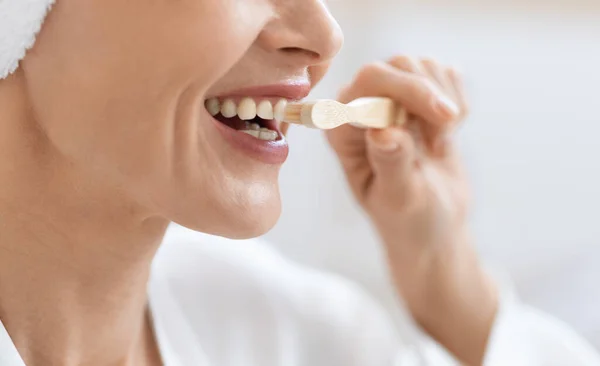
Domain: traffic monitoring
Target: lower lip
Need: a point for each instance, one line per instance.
(268, 152)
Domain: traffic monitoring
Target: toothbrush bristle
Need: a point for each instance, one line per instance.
(293, 112)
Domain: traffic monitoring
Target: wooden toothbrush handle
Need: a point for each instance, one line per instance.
(373, 112)
(368, 112)
(325, 114)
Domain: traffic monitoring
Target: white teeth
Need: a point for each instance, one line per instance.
(265, 110)
(268, 135)
(246, 110)
(228, 109)
(279, 110)
(213, 107)
(252, 133)
(254, 126)
(262, 134)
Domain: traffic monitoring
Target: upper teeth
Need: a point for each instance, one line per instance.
(265, 110)
(247, 109)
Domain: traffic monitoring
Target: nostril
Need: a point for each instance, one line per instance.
(300, 51)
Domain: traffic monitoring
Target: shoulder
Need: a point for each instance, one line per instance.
(247, 285)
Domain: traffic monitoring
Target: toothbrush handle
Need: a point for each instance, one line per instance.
(325, 114)
(368, 112)
(373, 112)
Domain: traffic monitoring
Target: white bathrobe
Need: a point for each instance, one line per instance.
(219, 302)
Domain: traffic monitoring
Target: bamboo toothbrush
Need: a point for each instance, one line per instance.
(367, 112)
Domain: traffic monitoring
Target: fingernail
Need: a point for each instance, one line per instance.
(386, 140)
(446, 107)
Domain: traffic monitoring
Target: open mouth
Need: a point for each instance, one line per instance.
(260, 120)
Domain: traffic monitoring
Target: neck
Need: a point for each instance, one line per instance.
(74, 257)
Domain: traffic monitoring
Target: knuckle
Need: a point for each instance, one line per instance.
(406, 64)
(367, 72)
(429, 62)
(369, 75)
(400, 60)
(424, 86)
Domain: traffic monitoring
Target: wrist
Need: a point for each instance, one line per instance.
(448, 293)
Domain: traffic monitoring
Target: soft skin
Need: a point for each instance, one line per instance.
(119, 93)
(410, 181)
(106, 140)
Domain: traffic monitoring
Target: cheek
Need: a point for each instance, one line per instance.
(119, 90)
(107, 79)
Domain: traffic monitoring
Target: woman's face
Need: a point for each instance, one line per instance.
(121, 88)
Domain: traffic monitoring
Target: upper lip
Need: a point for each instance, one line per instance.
(290, 90)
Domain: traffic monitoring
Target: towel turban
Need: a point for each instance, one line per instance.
(20, 22)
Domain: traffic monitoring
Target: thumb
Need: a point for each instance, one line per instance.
(392, 156)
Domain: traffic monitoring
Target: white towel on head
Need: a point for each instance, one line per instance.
(20, 21)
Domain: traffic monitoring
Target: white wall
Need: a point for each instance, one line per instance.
(531, 145)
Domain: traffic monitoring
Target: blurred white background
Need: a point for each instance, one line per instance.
(530, 145)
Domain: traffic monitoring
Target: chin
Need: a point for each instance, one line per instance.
(233, 221)
(253, 224)
(251, 211)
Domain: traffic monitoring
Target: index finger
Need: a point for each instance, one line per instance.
(419, 95)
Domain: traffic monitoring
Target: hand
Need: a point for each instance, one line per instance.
(410, 181)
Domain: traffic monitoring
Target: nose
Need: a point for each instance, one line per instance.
(302, 31)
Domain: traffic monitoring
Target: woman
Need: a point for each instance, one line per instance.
(106, 140)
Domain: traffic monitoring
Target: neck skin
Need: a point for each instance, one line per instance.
(74, 257)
